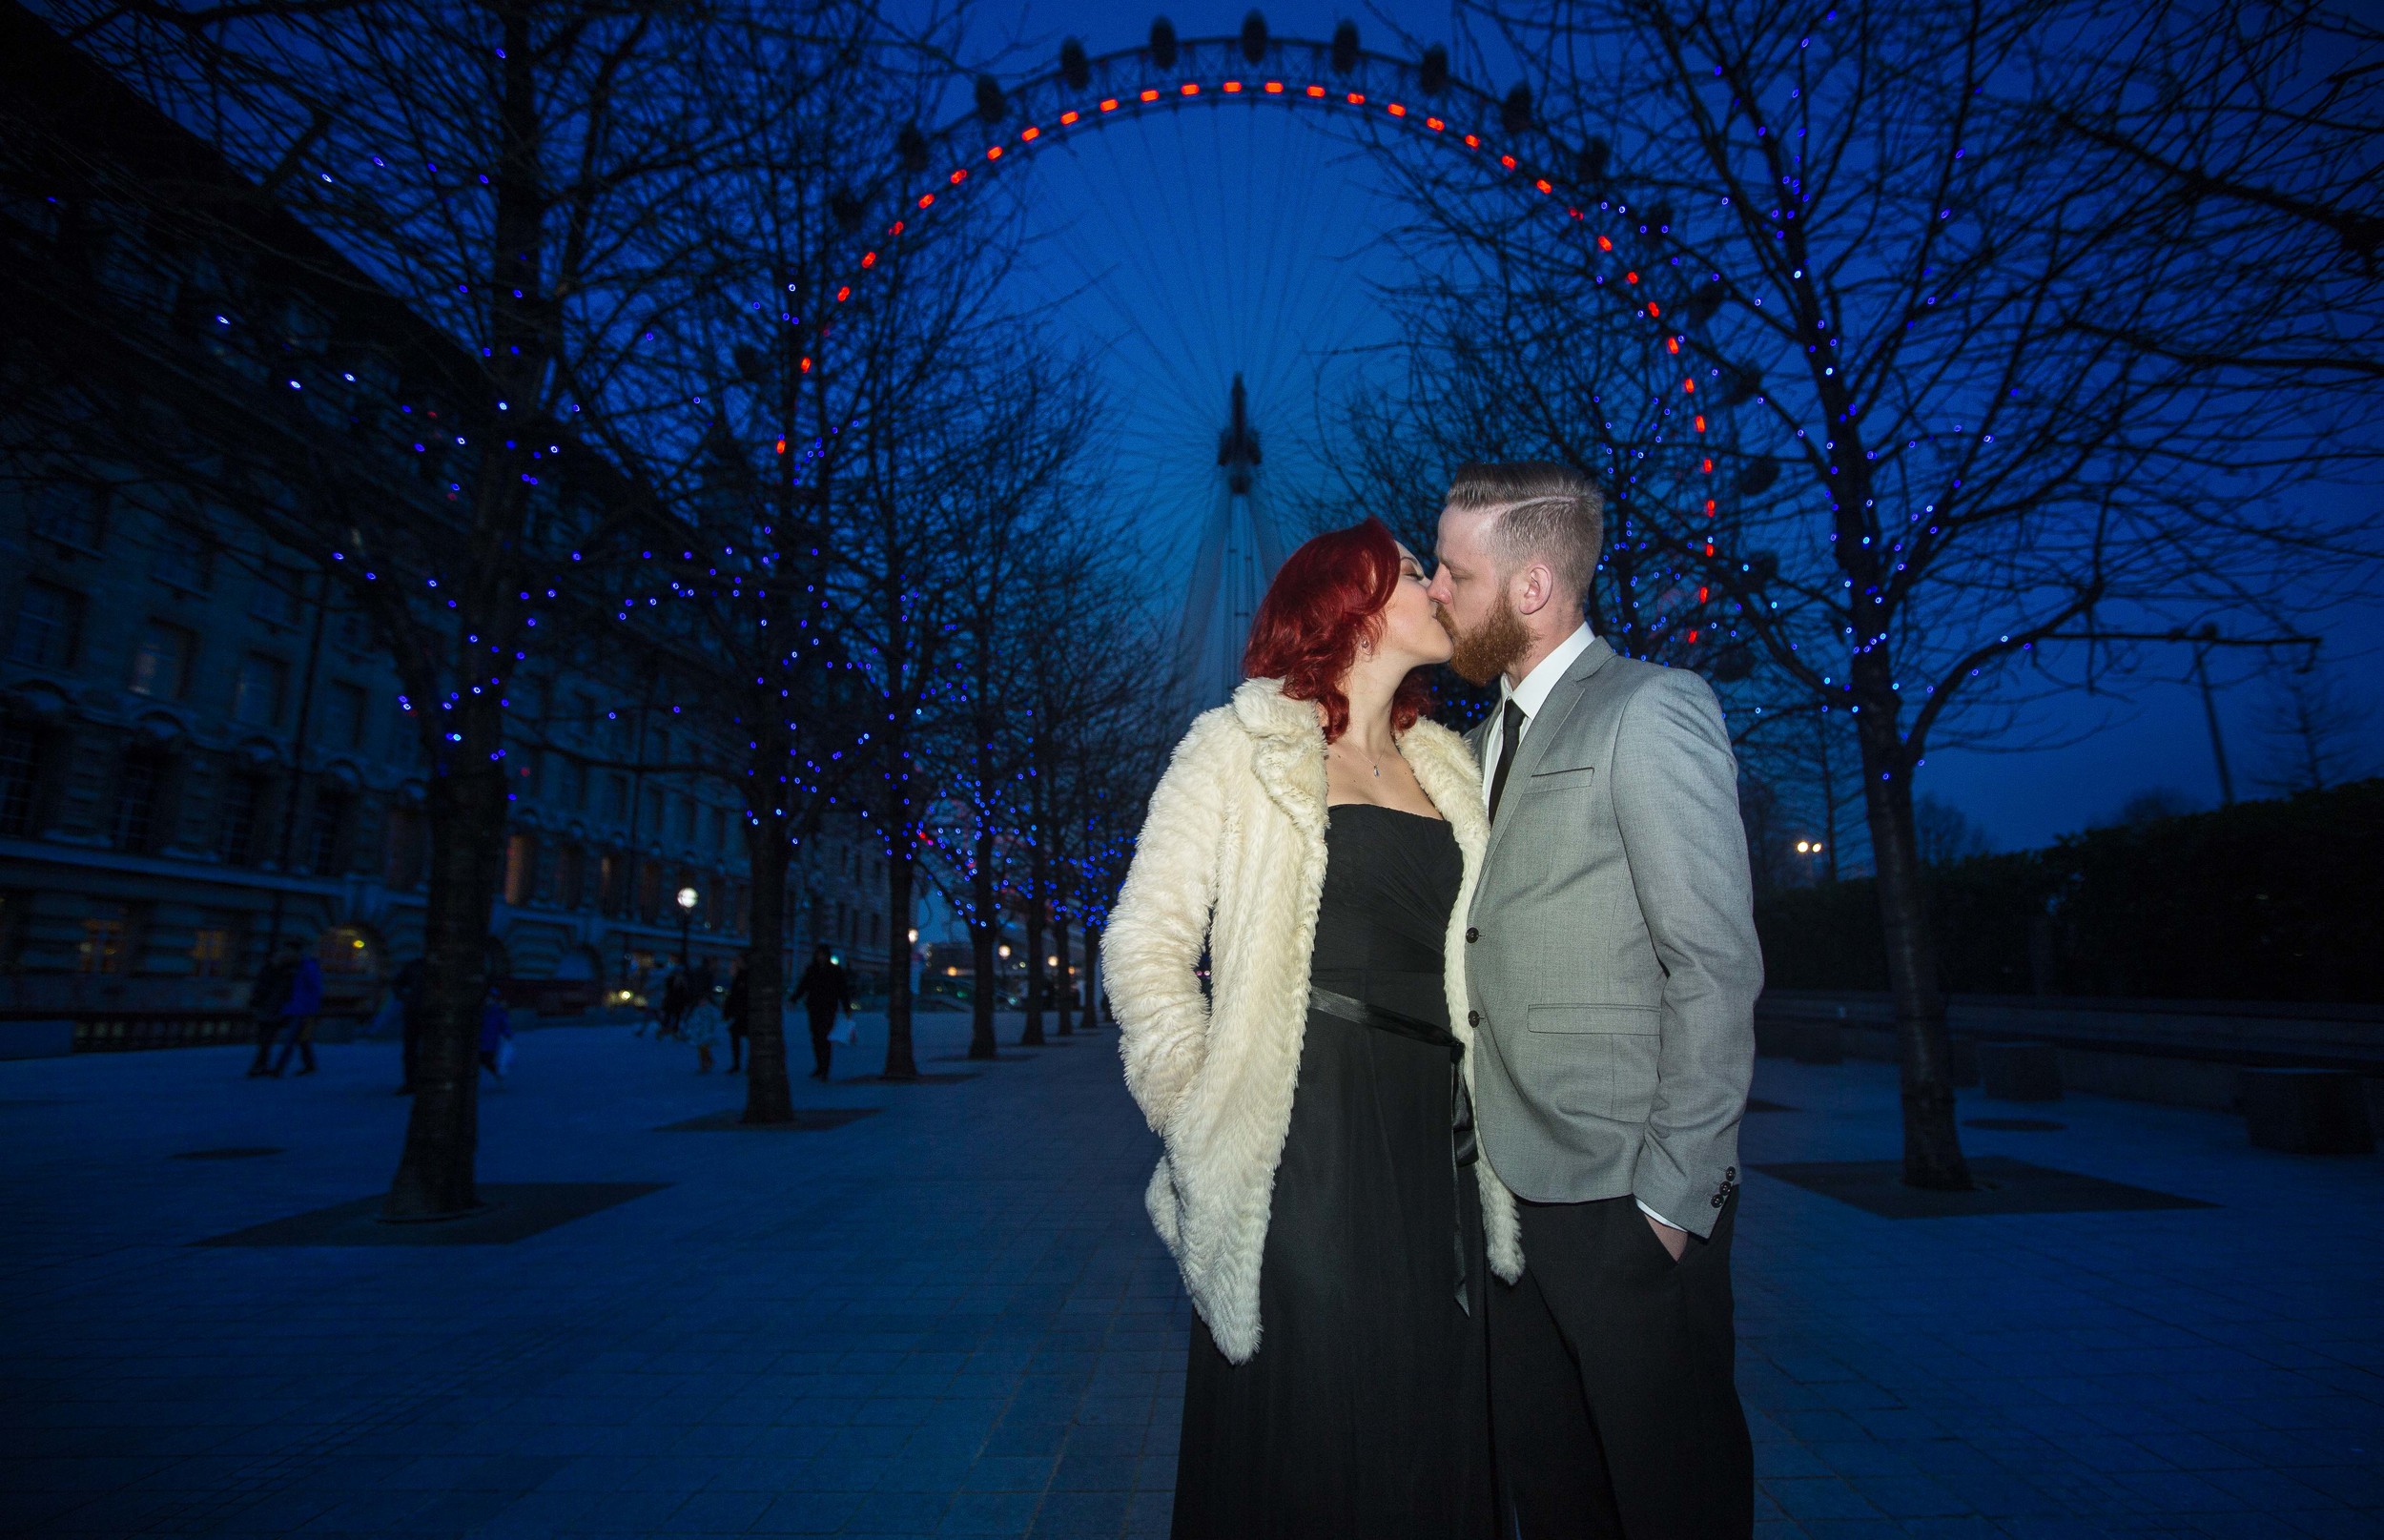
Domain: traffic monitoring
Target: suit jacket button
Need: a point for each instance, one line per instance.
(1473, 1018)
(1473, 935)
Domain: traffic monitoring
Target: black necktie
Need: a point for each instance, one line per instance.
(1510, 739)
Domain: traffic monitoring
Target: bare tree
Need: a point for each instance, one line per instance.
(515, 175)
(2316, 735)
(1937, 306)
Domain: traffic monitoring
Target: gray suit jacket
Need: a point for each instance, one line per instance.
(1611, 964)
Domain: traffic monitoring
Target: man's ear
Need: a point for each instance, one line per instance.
(1534, 585)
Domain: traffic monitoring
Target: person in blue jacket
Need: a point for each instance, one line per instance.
(299, 1007)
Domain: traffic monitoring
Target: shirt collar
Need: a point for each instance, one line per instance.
(1533, 691)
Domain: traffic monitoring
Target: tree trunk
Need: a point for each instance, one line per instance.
(1092, 978)
(467, 820)
(983, 900)
(1062, 980)
(1033, 1036)
(1933, 1156)
(982, 1043)
(767, 1096)
(901, 1063)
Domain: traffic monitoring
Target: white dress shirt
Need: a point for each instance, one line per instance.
(1530, 696)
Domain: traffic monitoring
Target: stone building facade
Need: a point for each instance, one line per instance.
(200, 749)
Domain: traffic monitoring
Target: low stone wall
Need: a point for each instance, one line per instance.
(2179, 1054)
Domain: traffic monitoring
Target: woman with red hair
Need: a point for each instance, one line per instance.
(1314, 840)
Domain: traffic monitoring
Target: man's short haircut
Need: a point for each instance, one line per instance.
(1544, 510)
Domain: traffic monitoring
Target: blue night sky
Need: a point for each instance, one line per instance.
(1171, 251)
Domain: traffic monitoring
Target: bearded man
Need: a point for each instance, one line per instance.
(1610, 970)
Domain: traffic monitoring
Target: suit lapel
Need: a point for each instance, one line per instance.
(1546, 728)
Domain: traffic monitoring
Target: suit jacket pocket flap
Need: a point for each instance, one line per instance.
(1555, 776)
(1630, 1020)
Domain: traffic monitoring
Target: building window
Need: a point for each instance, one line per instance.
(243, 796)
(612, 893)
(279, 595)
(161, 664)
(571, 876)
(324, 829)
(256, 698)
(687, 820)
(403, 867)
(49, 628)
(71, 513)
(184, 559)
(106, 945)
(215, 950)
(650, 892)
(520, 868)
(617, 799)
(343, 718)
(20, 776)
(575, 784)
(135, 825)
(720, 830)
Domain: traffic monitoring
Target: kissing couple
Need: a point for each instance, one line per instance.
(1452, 1129)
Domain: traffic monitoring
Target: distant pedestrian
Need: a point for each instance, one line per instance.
(496, 1035)
(732, 1007)
(406, 989)
(288, 992)
(701, 1025)
(823, 987)
(677, 996)
(266, 996)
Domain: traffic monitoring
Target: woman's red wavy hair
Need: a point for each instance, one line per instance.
(1329, 597)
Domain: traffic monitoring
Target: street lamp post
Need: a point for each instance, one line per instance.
(687, 897)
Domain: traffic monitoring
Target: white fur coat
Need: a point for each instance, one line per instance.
(1232, 856)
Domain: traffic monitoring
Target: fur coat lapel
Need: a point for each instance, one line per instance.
(1231, 860)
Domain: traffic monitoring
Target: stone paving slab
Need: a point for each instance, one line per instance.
(950, 1317)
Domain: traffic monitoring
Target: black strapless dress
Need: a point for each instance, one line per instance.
(1365, 1412)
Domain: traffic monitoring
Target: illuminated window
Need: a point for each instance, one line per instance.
(213, 951)
(520, 868)
(104, 946)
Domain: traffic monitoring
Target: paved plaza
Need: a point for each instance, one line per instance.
(947, 1315)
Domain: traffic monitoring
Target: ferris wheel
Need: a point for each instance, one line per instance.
(1206, 221)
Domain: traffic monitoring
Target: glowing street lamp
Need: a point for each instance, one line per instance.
(688, 897)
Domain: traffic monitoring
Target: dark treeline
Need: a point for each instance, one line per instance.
(2271, 900)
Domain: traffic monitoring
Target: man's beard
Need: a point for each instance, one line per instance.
(1483, 653)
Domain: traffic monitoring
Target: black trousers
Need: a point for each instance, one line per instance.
(821, 1026)
(1612, 1403)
